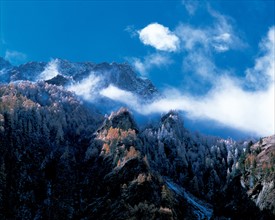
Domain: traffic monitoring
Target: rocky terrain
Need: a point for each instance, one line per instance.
(61, 158)
(258, 174)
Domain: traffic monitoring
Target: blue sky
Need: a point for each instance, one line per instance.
(191, 50)
(97, 31)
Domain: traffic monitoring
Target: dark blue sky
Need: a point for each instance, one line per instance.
(198, 43)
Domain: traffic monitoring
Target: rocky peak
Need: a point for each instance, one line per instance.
(172, 122)
(121, 119)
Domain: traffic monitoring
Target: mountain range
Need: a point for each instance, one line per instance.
(63, 155)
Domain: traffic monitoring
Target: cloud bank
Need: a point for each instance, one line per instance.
(87, 88)
(159, 37)
(119, 95)
(228, 102)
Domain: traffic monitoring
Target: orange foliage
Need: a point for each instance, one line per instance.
(113, 133)
(106, 148)
(266, 165)
(132, 153)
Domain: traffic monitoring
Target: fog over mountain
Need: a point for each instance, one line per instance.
(71, 148)
(111, 85)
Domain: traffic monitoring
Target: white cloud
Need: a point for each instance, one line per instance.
(221, 43)
(15, 57)
(230, 104)
(114, 93)
(226, 37)
(227, 102)
(263, 71)
(50, 71)
(159, 37)
(87, 88)
(153, 60)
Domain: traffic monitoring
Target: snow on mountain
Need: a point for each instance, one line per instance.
(87, 87)
(50, 71)
(104, 82)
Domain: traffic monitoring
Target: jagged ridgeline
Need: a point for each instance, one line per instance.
(91, 76)
(60, 158)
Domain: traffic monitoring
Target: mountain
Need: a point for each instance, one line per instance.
(62, 158)
(75, 76)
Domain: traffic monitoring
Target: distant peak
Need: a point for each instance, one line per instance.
(172, 121)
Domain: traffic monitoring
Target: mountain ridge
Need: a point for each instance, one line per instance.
(72, 162)
(71, 73)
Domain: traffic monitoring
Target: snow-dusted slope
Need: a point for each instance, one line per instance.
(202, 209)
(86, 79)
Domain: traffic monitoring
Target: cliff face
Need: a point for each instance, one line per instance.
(258, 177)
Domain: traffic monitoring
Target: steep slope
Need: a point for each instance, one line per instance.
(44, 133)
(65, 170)
(197, 162)
(249, 192)
(259, 173)
(69, 163)
(127, 187)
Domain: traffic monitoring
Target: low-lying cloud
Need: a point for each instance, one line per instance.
(119, 95)
(50, 71)
(87, 88)
(227, 102)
